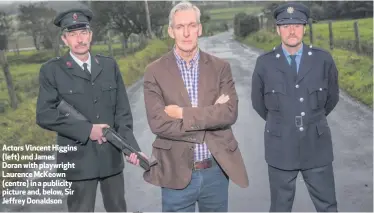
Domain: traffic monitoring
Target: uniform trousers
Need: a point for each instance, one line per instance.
(319, 182)
(84, 195)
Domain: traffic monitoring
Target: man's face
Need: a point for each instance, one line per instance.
(78, 41)
(185, 30)
(291, 34)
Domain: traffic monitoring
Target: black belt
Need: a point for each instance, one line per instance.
(299, 120)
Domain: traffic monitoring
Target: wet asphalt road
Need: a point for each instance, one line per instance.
(350, 123)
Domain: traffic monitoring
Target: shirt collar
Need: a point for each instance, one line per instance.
(180, 60)
(298, 53)
(80, 63)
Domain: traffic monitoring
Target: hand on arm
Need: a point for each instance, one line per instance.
(222, 114)
(176, 111)
(222, 99)
(160, 123)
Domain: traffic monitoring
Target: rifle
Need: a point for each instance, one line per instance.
(110, 134)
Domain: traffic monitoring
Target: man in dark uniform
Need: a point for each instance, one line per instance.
(294, 88)
(94, 86)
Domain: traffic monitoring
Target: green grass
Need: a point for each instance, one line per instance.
(18, 126)
(41, 56)
(25, 75)
(355, 71)
(23, 42)
(343, 30)
(25, 80)
(343, 34)
(222, 17)
(234, 10)
(133, 66)
(229, 13)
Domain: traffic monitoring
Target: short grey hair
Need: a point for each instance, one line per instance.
(184, 5)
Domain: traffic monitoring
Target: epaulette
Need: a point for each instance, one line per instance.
(104, 56)
(267, 52)
(52, 60)
(318, 48)
(98, 56)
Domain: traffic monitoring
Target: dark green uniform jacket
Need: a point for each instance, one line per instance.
(295, 106)
(101, 98)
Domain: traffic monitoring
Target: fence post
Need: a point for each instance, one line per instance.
(311, 31)
(261, 21)
(110, 44)
(8, 78)
(57, 45)
(17, 46)
(331, 36)
(357, 35)
(239, 35)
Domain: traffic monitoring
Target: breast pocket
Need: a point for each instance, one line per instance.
(273, 96)
(109, 93)
(318, 95)
(72, 93)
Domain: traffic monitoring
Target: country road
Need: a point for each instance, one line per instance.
(351, 125)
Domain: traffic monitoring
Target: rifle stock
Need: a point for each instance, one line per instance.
(110, 134)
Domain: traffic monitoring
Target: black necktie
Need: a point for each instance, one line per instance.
(86, 69)
(293, 63)
(293, 66)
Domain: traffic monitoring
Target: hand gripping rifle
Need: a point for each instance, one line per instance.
(110, 134)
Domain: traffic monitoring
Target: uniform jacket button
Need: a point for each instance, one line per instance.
(302, 113)
(301, 129)
(301, 99)
(297, 86)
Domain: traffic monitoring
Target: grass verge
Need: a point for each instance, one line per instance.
(18, 126)
(229, 13)
(355, 71)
